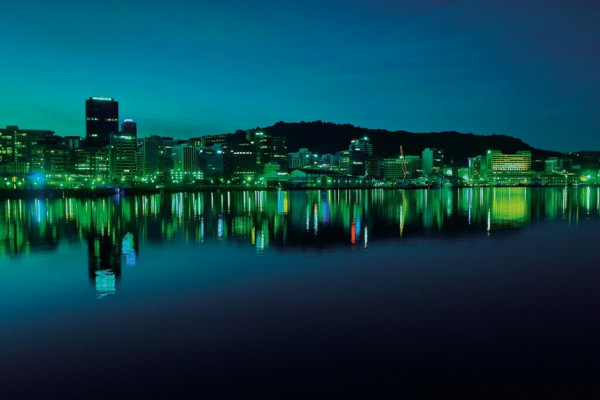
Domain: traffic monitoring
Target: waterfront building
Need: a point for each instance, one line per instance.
(269, 167)
(211, 140)
(552, 164)
(152, 155)
(123, 156)
(432, 160)
(345, 162)
(413, 165)
(268, 148)
(211, 161)
(318, 179)
(101, 120)
(92, 161)
(240, 162)
(393, 169)
(476, 170)
(508, 169)
(22, 150)
(58, 160)
(177, 155)
(190, 159)
(360, 150)
(299, 159)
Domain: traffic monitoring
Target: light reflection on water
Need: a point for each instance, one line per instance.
(402, 290)
(116, 229)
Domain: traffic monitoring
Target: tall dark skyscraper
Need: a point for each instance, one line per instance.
(101, 119)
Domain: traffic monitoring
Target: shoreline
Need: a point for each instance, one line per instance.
(53, 193)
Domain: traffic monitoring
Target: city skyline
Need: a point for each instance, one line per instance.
(192, 69)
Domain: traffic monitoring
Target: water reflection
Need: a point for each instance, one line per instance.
(115, 228)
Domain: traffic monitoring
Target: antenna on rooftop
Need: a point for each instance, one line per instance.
(403, 164)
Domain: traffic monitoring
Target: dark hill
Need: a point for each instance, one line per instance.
(326, 137)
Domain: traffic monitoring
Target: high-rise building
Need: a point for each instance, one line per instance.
(101, 119)
(360, 150)
(129, 127)
(212, 161)
(23, 150)
(299, 159)
(432, 161)
(123, 156)
(153, 155)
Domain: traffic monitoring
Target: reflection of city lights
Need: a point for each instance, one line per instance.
(220, 227)
(128, 250)
(307, 218)
(106, 283)
(316, 218)
(115, 230)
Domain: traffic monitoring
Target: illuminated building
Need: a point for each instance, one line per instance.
(299, 159)
(344, 162)
(269, 149)
(318, 178)
(211, 140)
(123, 156)
(22, 150)
(271, 167)
(413, 165)
(393, 169)
(92, 161)
(190, 159)
(101, 119)
(240, 161)
(496, 161)
(152, 155)
(129, 127)
(475, 169)
(360, 150)
(58, 160)
(432, 160)
(211, 160)
(552, 164)
(508, 169)
(167, 153)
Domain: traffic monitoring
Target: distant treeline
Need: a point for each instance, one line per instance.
(325, 137)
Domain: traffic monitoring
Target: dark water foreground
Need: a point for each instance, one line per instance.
(486, 293)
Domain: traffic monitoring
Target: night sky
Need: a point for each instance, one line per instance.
(187, 68)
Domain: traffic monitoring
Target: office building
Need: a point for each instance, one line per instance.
(101, 120)
(122, 156)
(129, 127)
(23, 150)
(508, 169)
(432, 161)
(360, 150)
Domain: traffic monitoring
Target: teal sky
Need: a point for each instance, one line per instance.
(187, 68)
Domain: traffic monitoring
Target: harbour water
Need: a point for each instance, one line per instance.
(476, 292)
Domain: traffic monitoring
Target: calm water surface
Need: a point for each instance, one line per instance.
(370, 294)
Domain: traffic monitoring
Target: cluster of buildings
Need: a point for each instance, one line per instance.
(113, 154)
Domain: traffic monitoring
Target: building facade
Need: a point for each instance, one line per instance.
(101, 120)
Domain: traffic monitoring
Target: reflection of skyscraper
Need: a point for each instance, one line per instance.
(101, 119)
(104, 262)
(129, 250)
